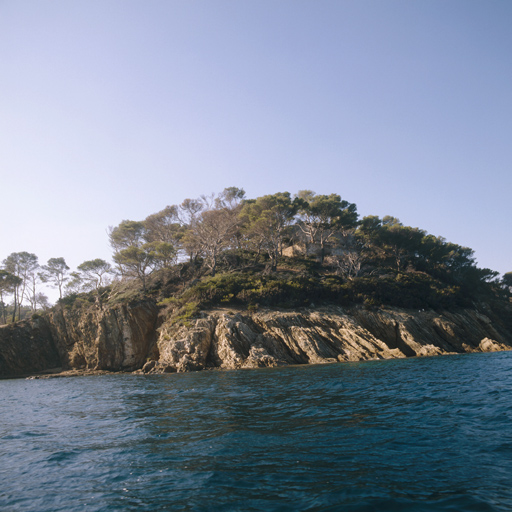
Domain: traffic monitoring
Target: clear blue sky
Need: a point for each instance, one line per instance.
(113, 109)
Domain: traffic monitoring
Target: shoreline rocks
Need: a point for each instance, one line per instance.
(136, 339)
(325, 335)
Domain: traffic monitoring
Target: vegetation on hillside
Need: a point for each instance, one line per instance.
(275, 250)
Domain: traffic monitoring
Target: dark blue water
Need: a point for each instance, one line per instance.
(430, 434)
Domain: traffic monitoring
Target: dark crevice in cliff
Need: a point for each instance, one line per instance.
(211, 359)
(327, 345)
(401, 344)
(290, 352)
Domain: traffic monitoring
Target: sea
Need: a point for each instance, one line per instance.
(420, 434)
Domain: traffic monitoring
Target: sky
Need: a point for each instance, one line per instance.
(114, 109)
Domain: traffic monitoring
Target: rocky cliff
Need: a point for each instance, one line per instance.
(138, 337)
(270, 338)
(117, 339)
(27, 347)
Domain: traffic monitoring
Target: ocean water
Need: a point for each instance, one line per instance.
(429, 434)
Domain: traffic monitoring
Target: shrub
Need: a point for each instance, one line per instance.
(186, 313)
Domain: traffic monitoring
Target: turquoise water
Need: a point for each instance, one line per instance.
(432, 434)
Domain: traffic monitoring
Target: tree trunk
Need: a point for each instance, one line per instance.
(3, 308)
(214, 262)
(274, 257)
(15, 303)
(322, 253)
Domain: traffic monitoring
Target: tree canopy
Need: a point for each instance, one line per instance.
(55, 272)
(227, 232)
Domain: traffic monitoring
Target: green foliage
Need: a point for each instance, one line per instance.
(321, 217)
(129, 233)
(91, 274)
(169, 301)
(186, 313)
(227, 233)
(75, 301)
(22, 313)
(405, 290)
(267, 290)
(182, 312)
(125, 292)
(242, 244)
(164, 226)
(55, 272)
(267, 219)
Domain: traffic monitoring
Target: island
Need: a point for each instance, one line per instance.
(226, 282)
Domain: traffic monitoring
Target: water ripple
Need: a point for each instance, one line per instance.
(430, 434)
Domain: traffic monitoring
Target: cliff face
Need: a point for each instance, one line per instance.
(123, 338)
(115, 339)
(27, 347)
(118, 338)
(272, 338)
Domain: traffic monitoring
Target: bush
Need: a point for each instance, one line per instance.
(409, 290)
(269, 290)
(295, 286)
(186, 313)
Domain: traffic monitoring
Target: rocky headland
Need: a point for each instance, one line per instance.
(224, 281)
(143, 338)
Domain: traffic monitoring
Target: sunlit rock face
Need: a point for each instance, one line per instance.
(271, 338)
(141, 338)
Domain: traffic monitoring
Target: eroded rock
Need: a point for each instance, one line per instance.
(114, 339)
(325, 335)
(127, 338)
